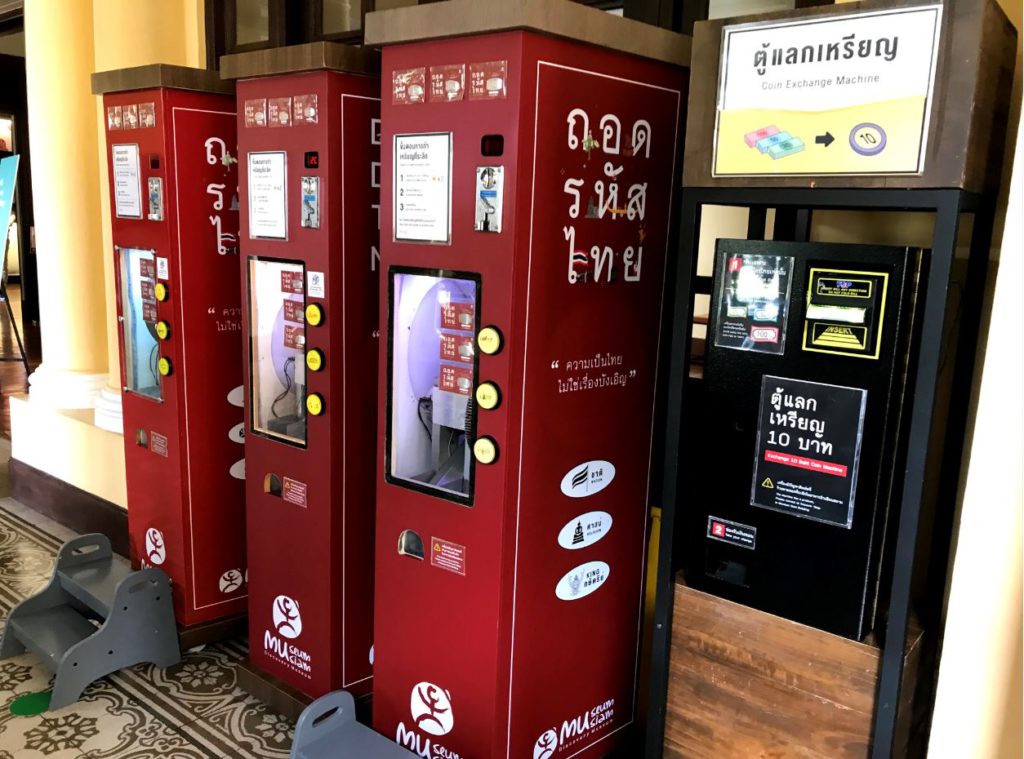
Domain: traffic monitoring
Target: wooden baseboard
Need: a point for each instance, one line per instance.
(68, 505)
(210, 632)
(278, 695)
(285, 699)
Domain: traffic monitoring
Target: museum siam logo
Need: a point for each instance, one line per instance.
(230, 581)
(431, 709)
(588, 478)
(287, 622)
(156, 549)
(573, 732)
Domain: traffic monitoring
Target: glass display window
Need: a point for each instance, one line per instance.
(137, 271)
(277, 351)
(432, 367)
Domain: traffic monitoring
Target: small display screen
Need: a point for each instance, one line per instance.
(433, 320)
(137, 270)
(277, 351)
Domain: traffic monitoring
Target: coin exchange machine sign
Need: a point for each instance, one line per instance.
(827, 95)
(807, 403)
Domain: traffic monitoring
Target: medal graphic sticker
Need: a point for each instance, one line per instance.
(753, 302)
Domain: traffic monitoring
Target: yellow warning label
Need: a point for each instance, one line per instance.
(839, 336)
(768, 483)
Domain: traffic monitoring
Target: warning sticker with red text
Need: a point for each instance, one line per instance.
(447, 555)
(808, 449)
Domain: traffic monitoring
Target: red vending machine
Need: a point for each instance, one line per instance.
(174, 202)
(530, 162)
(309, 148)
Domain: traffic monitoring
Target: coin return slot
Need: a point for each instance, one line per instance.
(272, 485)
(141, 438)
(410, 544)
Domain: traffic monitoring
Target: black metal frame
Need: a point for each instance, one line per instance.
(948, 205)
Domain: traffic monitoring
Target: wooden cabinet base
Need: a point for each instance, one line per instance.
(743, 683)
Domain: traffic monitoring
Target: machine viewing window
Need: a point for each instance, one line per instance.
(277, 353)
(137, 271)
(433, 321)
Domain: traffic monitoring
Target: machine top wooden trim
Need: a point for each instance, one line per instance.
(313, 56)
(157, 75)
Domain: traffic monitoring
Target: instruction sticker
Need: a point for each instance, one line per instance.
(808, 449)
(422, 202)
(127, 182)
(268, 205)
(753, 302)
(733, 533)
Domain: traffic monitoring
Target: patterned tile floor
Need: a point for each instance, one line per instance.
(190, 711)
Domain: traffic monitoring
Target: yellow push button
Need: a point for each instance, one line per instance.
(160, 291)
(315, 404)
(314, 315)
(315, 360)
(163, 329)
(489, 339)
(485, 450)
(164, 366)
(488, 396)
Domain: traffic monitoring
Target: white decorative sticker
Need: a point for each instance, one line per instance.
(237, 433)
(588, 478)
(316, 284)
(582, 581)
(237, 396)
(585, 530)
(156, 549)
(237, 470)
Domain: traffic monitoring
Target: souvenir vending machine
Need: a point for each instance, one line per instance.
(530, 156)
(309, 142)
(173, 195)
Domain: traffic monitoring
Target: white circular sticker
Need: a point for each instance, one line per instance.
(237, 397)
(585, 530)
(588, 478)
(237, 433)
(156, 551)
(237, 470)
(582, 581)
(287, 620)
(431, 709)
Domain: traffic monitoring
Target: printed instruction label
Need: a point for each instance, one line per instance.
(808, 449)
(753, 301)
(422, 202)
(127, 182)
(268, 204)
(733, 533)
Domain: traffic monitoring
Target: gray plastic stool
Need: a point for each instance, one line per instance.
(327, 729)
(95, 617)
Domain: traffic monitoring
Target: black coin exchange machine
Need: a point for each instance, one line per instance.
(813, 447)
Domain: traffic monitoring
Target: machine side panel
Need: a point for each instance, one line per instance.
(205, 196)
(604, 132)
(356, 261)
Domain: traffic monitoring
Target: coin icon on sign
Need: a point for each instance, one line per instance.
(867, 139)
